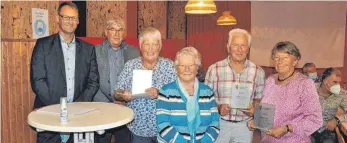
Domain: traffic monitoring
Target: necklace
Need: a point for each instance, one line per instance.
(278, 77)
(149, 68)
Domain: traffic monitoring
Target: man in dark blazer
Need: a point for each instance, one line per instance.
(63, 66)
(111, 56)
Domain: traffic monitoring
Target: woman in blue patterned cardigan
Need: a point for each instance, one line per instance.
(186, 109)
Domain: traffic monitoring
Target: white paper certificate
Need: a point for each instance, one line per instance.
(240, 95)
(142, 80)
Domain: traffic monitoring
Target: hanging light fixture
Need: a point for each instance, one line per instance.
(226, 19)
(200, 7)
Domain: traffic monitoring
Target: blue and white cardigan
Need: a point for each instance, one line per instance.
(172, 116)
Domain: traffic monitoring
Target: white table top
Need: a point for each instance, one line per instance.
(108, 116)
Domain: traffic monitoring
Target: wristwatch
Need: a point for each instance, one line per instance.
(337, 120)
(287, 129)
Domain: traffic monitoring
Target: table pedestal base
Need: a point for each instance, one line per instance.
(88, 137)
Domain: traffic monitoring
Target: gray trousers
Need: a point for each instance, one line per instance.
(139, 139)
(324, 137)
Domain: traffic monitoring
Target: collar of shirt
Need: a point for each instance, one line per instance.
(246, 64)
(64, 41)
(121, 46)
(324, 96)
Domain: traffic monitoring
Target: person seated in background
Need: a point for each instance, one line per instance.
(297, 110)
(186, 108)
(310, 70)
(331, 98)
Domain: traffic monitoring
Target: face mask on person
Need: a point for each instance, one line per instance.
(335, 89)
(313, 76)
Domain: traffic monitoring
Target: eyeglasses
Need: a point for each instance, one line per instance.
(283, 59)
(66, 18)
(182, 67)
(116, 30)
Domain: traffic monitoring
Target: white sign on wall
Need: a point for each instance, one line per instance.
(40, 23)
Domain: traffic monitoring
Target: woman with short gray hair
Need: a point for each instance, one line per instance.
(143, 127)
(186, 108)
(297, 109)
(286, 47)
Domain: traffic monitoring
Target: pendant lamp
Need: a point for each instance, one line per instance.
(226, 19)
(200, 7)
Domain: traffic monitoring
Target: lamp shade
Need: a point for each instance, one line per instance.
(226, 19)
(200, 7)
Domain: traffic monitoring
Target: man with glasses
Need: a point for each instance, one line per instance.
(63, 66)
(236, 76)
(111, 56)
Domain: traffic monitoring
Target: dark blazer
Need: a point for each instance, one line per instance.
(47, 72)
(130, 52)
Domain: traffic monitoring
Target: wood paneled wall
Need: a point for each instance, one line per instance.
(16, 18)
(153, 14)
(16, 48)
(176, 20)
(168, 17)
(98, 12)
(16, 95)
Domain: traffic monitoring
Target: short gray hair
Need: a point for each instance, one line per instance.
(116, 21)
(286, 47)
(329, 71)
(149, 33)
(306, 65)
(238, 32)
(189, 51)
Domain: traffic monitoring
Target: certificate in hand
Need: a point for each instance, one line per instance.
(264, 116)
(142, 95)
(240, 96)
(142, 80)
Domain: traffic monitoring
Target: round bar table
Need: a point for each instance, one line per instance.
(106, 116)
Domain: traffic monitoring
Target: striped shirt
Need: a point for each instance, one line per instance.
(172, 115)
(221, 77)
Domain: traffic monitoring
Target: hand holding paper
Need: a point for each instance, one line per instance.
(126, 95)
(153, 92)
(249, 112)
(250, 125)
(224, 109)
